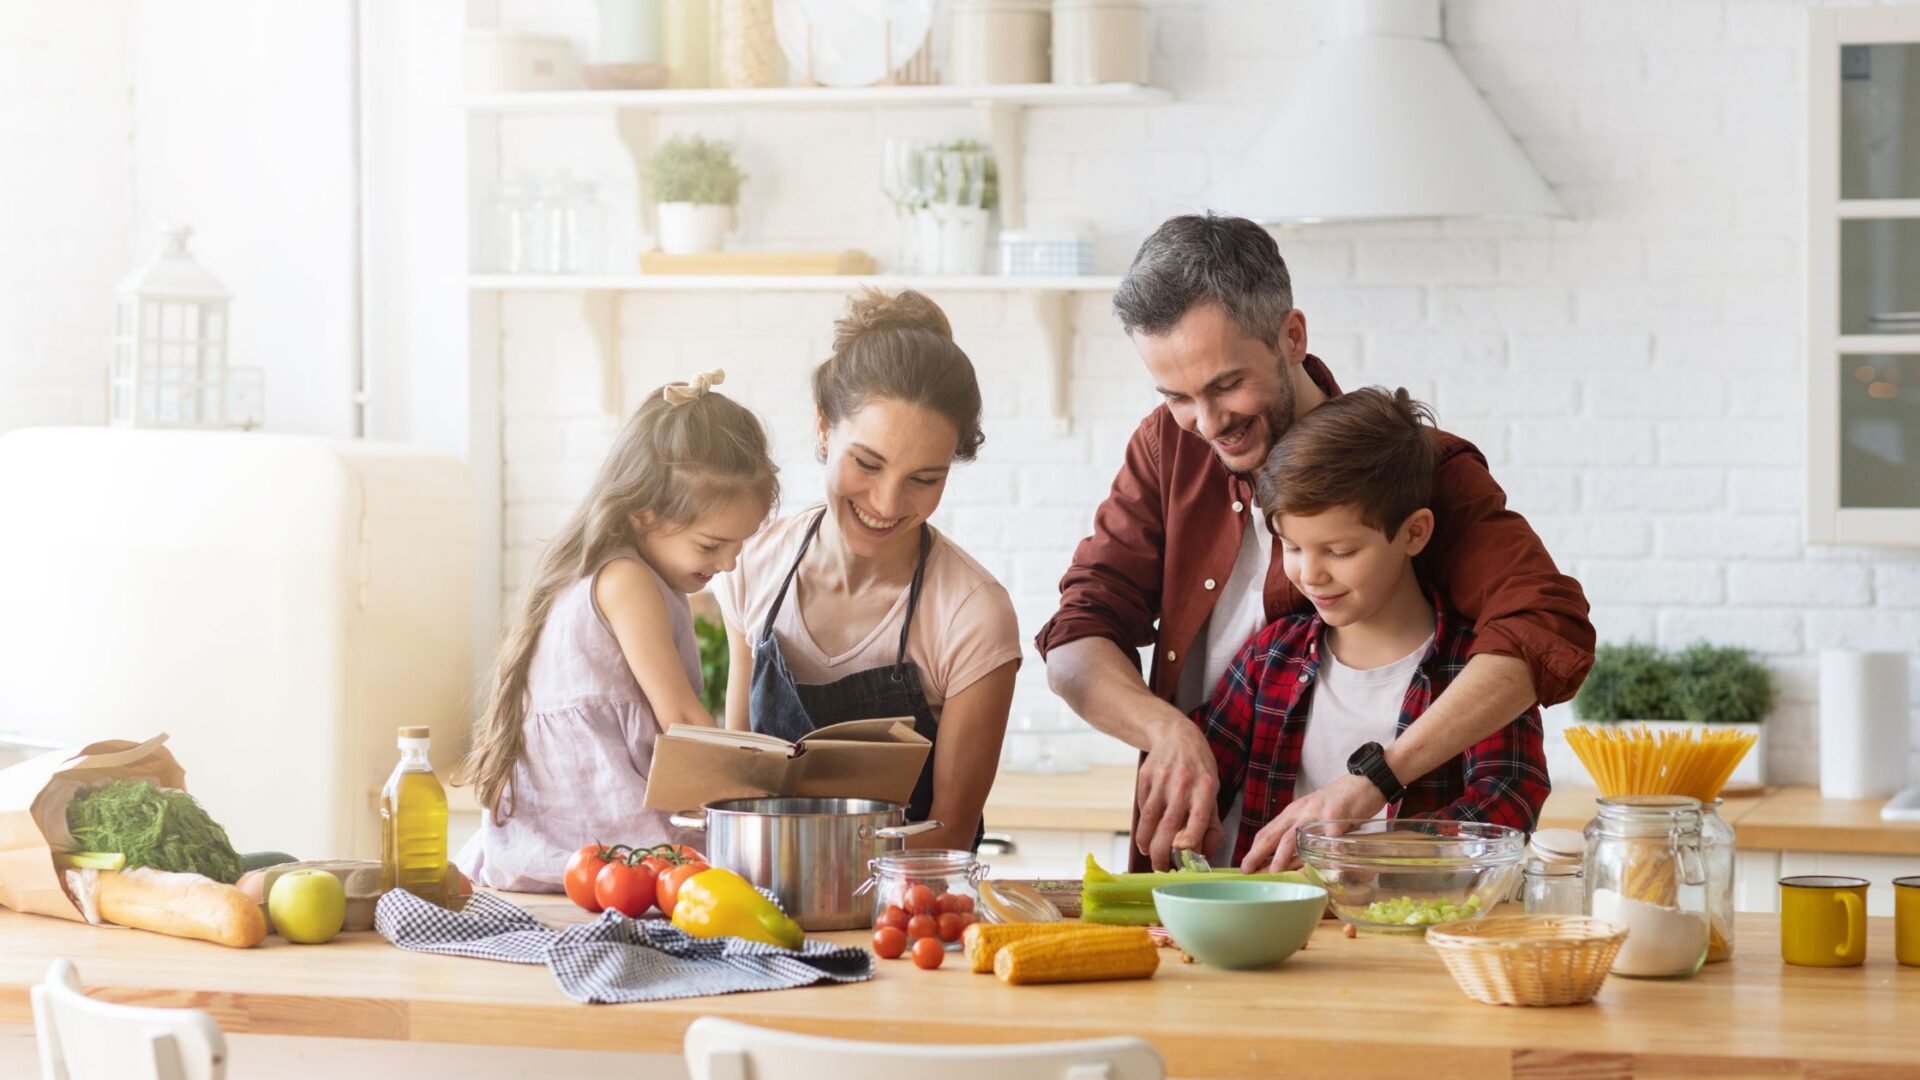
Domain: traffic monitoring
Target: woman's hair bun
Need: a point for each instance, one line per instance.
(873, 310)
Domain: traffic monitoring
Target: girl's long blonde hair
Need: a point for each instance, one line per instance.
(684, 452)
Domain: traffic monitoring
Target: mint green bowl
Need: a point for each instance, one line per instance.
(1240, 924)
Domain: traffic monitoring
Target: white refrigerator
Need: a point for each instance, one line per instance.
(278, 605)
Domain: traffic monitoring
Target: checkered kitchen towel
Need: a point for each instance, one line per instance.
(614, 958)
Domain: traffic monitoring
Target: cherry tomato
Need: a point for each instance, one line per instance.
(950, 926)
(889, 942)
(953, 902)
(928, 953)
(919, 900)
(667, 886)
(922, 926)
(583, 867)
(625, 888)
(895, 916)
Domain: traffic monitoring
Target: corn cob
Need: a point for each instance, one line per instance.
(1127, 953)
(983, 941)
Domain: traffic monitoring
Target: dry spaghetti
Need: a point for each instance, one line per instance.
(1636, 761)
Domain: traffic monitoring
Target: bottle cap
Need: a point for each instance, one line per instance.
(420, 732)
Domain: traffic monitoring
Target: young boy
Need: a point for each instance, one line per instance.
(1314, 697)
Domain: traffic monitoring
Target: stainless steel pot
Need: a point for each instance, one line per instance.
(812, 853)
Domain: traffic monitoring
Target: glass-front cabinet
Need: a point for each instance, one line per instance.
(1863, 276)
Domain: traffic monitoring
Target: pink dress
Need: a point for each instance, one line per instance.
(589, 748)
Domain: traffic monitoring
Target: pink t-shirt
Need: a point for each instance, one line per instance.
(963, 629)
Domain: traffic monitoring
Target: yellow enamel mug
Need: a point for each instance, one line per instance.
(1906, 920)
(1823, 920)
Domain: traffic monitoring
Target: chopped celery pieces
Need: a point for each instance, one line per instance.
(1127, 899)
(1406, 911)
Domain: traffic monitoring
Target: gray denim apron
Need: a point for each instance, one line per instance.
(789, 710)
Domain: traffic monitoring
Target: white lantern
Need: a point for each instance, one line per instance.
(170, 347)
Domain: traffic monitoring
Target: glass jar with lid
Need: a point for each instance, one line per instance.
(1553, 884)
(1646, 871)
(1716, 844)
(940, 885)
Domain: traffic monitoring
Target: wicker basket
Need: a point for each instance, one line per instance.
(1529, 959)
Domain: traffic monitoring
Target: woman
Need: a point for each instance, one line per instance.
(857, 608)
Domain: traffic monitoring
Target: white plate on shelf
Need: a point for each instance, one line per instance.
(849, 36)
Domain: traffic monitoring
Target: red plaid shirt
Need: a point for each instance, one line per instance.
(1256, 723)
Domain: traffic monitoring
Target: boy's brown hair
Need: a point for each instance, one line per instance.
(1368, 449)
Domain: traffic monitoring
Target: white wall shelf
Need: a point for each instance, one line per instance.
(821, 97)
(785, 283)
(1052, 299)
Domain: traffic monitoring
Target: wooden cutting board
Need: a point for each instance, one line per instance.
(849, 261)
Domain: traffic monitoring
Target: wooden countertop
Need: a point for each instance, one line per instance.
(1778, 819)
(1372, 1006)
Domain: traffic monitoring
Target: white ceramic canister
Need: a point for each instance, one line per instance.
(1099, 41)
(516, 61)
(996, 42)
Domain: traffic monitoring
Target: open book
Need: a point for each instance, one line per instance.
(855, 759)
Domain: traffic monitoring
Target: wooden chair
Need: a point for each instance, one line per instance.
(724, 1050)
(84, 1039)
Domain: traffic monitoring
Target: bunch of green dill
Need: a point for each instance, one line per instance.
(159, 827)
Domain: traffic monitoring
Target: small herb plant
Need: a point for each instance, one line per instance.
(1702, 683)
(690, 169)
(713, 666)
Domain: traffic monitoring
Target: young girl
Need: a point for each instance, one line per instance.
(602, 656)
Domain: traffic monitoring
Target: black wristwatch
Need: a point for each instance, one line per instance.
(1370, 761)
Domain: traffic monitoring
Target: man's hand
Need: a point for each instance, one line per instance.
(1176, 791)
(1347, 797)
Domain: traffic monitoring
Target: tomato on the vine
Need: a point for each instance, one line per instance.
(625, 888)
(667, 886)
(583, 867)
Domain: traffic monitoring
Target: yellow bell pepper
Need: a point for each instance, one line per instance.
(720, 903)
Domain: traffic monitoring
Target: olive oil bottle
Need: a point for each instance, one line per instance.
(413, 823)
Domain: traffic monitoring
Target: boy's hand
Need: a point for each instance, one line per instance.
(1176, 791)
(1347, 797)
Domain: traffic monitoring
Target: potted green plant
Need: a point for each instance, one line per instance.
(958, 186)
(695, 184)
(1702, 685)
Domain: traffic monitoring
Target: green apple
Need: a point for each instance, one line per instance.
(307, 906)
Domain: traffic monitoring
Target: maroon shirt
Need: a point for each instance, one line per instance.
(1174, 520)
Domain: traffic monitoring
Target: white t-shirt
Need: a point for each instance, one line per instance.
(963, 629)
(1351, 706)
(1240, 613)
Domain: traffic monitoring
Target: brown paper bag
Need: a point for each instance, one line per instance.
(33, 813)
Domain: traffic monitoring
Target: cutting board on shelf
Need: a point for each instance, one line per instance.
(850, 262)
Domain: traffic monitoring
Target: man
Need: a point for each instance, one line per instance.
(1182, 560)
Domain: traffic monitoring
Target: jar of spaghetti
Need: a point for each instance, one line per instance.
(1646, 871)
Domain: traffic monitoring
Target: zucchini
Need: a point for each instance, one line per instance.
(256, 860)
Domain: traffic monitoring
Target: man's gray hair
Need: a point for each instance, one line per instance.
(1196, 259)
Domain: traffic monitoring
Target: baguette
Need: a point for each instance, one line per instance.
(183, 905)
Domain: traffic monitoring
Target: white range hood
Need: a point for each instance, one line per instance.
(1383, 125)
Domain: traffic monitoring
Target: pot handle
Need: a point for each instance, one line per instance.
(901, 832)
(697, 822)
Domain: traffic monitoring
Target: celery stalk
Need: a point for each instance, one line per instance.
(1127, 899)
